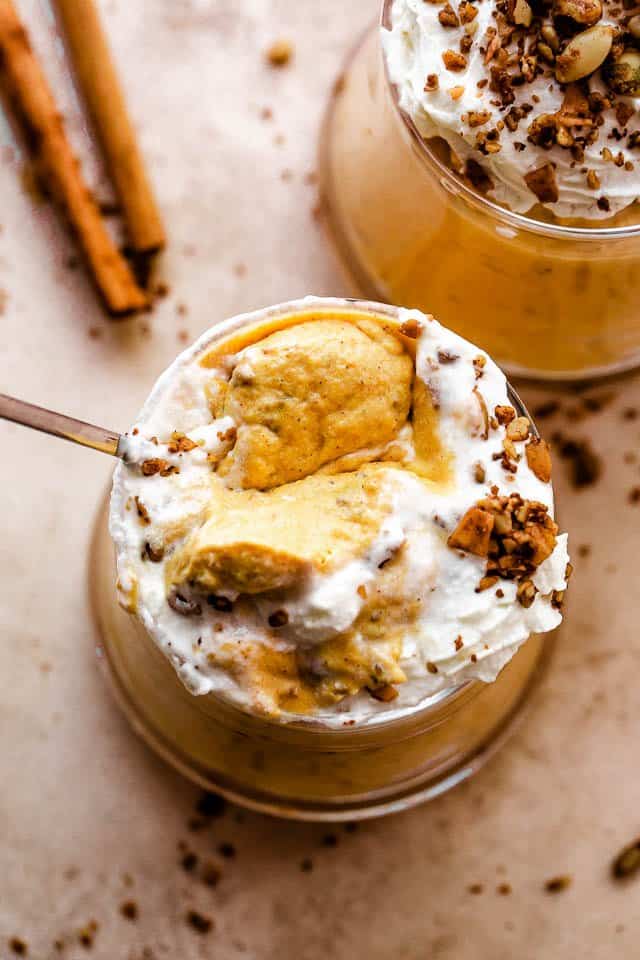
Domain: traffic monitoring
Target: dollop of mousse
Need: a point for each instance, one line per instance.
(338, 519)
(537, 99)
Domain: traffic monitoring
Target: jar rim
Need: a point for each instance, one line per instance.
(508, 218)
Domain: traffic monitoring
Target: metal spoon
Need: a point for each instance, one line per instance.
(58, 425)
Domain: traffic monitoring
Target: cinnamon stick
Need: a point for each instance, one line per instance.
(99, 85)
(36, 110)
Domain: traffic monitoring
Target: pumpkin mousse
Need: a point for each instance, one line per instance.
(334, 517)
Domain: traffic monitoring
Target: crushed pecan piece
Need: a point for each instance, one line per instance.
(151, 467)
(385, 693)
(518, 429)
(542, 182)
(473, 533)
(526, 593)
(454, 61)
(504, 415)
(486, 583)
(448, 17)
(477, 118)
(467, 12)
(410, 328)
(142, 511)
(180, 443)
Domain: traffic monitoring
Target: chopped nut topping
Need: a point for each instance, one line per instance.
(515, 535)
(479, 473)
(539, 459)
(180, 443)
(445, 357)
(151, 467)
(454, 61)
(448, 17)
(479, 363)
(505, 415)
(410, 328)
(526, 593)
(431, 83)
(518, 429)
(473, 533)
(432, 667)
(509, 448)
(143, 513)
(542, 182)
(459, 643)
(477, 118)
(385, 693)
(456, 92)
(486, 583)
(467, 12)
(593, 180)
(585, 12)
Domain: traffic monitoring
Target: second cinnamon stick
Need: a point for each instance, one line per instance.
(100, 87)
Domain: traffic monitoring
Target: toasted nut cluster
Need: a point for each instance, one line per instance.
(151, 467)
(180, 443)
(515, 535)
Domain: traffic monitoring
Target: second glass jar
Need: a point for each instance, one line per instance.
(547, 300)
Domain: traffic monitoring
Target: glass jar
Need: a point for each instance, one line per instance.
(546, 300)
(302, 770)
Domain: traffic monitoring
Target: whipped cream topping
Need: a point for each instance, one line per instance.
(593, 180)
(457, 633)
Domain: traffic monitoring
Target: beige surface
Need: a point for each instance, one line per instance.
(82, 802)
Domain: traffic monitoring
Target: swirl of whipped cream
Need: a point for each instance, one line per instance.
(594, 177)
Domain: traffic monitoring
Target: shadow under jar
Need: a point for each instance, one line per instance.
(303, 770)
(548, 300)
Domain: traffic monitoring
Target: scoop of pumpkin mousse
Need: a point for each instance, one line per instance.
(303, 505)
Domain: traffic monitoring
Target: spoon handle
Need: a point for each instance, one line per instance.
(58, 425)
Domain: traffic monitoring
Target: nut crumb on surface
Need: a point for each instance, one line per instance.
(87, 934)
(198, 922)
(129, 909)
(558, 884)
(627, 862)
(18, 946)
